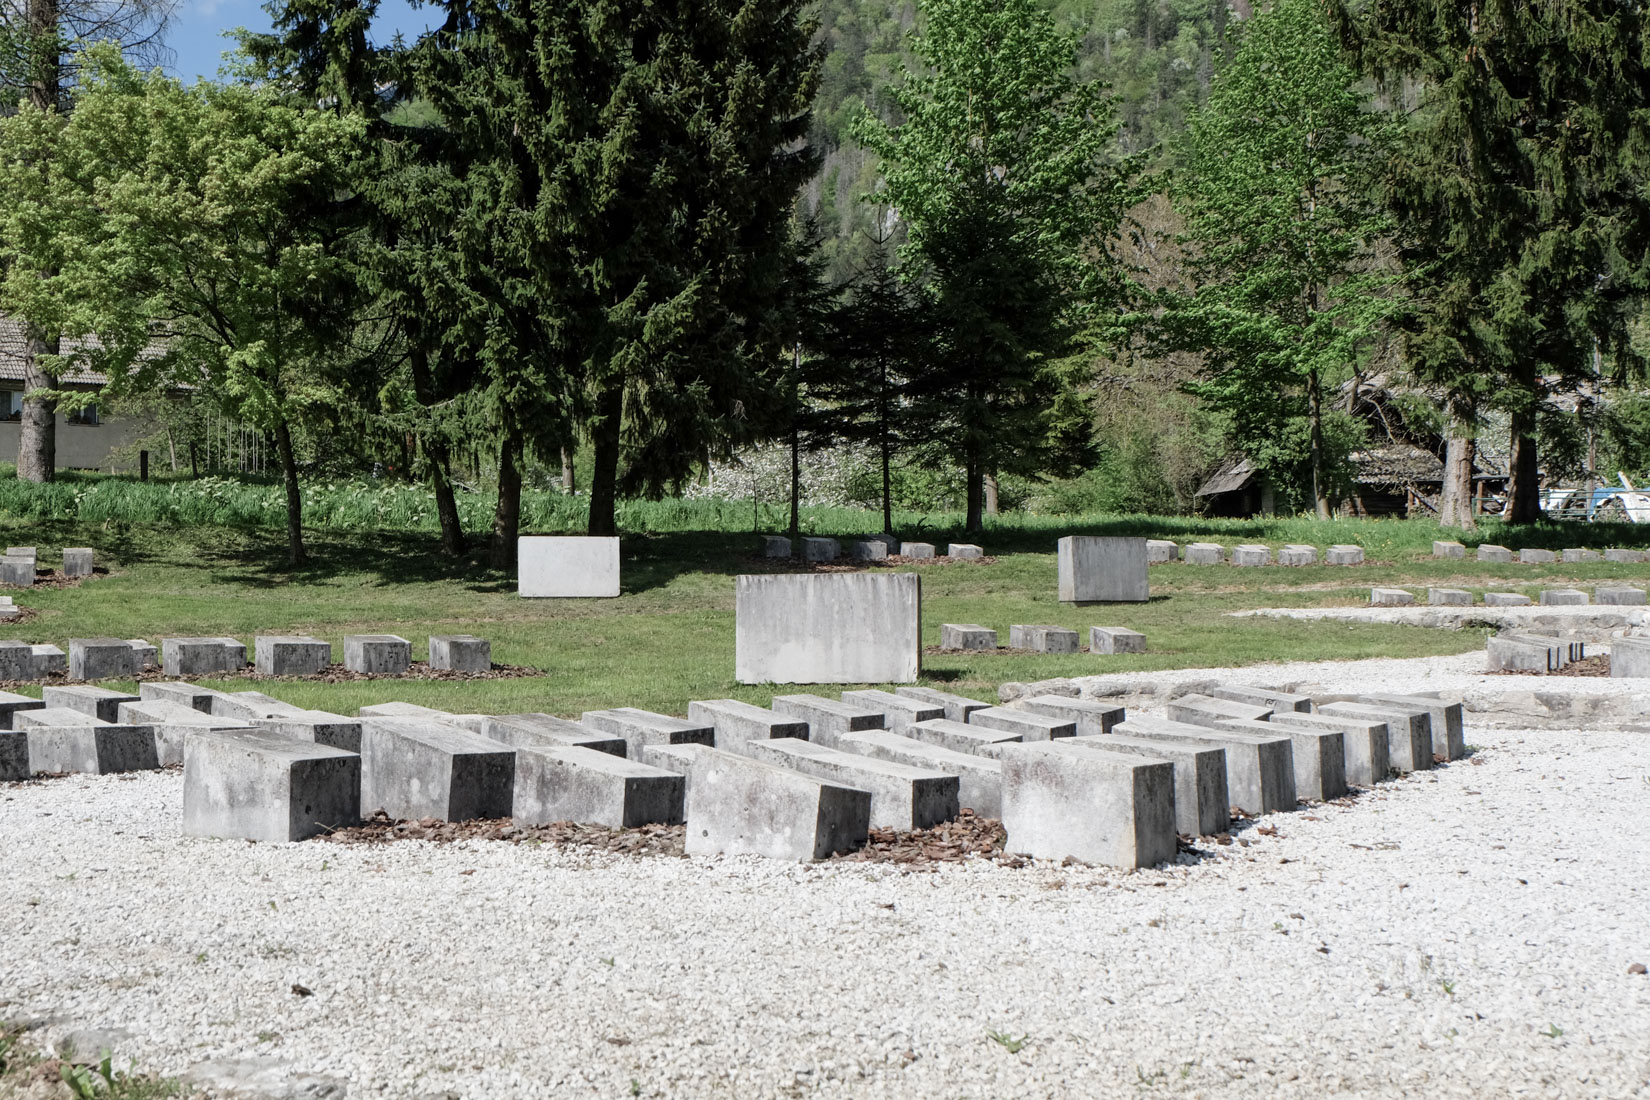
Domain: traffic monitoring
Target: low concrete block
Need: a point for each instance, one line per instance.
(377, 654)
(30, 552)
(1390, 597)
(957, 707)
(69, 741)
(11, 703)
(101, 659)
(169, 724)
(1319, 757)
(1563, 597)
(920, 551)
(290, 655)
(1161, 551)
(1536, 556)
(77, 561)
(1205, 553)
(1274, 701)
(414, 768)
(319, 726)
(1102, 569)
(16, 661)
(828, 718)
(1030, 725)
(569, 783)
(1364, 741)
(1619, 596)
(14, 756)
(1513, 655)
(967, 636)
(737, 805)
(979, 780)
(48, 660)
(1260, 768)
(567, 566)
(1298, 554)
(1206, 710)
(460, 653)
(1064, 801)
(196, 656)
(1630, 658)
(965, 551)
(255, 785)
(870, 550)
(962, 737)
(247, 705)
(1409, 731)
(1446, 720)
(1251, 554)
(1115, 639)
(776, 546)
(1344, 554)
(837, 628)
(1491, 552)
(1443, 548)
(1578, 554)
(1042, 639)
(522, 731)
(95, 702)
(1506, 599)
(735, 722)
(1093, 718)
(1564, 650)
(17, 571)
(188, 695)
(146, 655)
(1449, 597)
(898, 711)
(643, 727)
(902, 797)
(1201, 805)
(891, 542)
(820, 549)
(1625, 555)
(56, 716)
(676, 758)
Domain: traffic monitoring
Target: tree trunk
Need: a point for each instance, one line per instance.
(973, 472)
(887, 451)
(1320, 477)
(295, 553)
(1455, 502)
(604, 479)
(446, 504)
(507, 514)
(1524, 488)
(567, 486)
(37, 448)
(990, 494)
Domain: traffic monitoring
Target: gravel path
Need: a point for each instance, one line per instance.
(1463, 933)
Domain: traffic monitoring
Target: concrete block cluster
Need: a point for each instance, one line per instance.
(1042, 638)
(875, 548)
(1538, 653)
(1250, 555)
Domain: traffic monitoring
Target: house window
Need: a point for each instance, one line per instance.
(13, 405)
(87, 415)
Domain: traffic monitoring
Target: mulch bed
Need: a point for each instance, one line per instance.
(332, 674)
(53, 578)
(1588, 666)
(1004, 651)
(756, 563)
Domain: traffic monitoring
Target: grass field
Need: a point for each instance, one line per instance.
(669, 637)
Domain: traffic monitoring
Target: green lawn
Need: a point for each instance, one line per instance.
(669, 637)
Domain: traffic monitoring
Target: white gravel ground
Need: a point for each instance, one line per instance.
(1463, 933)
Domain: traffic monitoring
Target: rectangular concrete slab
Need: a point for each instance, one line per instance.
(1449, 597)
(1491, 552)
(256, 785)
(962, 737)
(979, 780)
(678, 759)
(1092, 717)
(57, 716)
(1161, 551)
(1515, 655)
(1042, 638)
(1204, 553)
(11, 703)
(1630, 658)
(196, 656)
(1537, 556)
(1116, 639)
(413, 768)
(521, 731)
(898, 711)
(1506, 599)
(188, 695)
(460, 653)
(1443, 548)
(1260, 768)
(1563, 597)
(957, 707)
(1363, 739)
(1202, 806)
(101, 659)
(902, 797)
(1030, 725)
(1274, 701)
(170, 723)
(828, 718)
(1102, 569)
(471, 722)
(1063, 801)
(1319, 757)
(1619, 596)
(564, 567)
(377, 654)
(736, 722)
(828, 628)
(644, 727)
(967, 636)
(1409, 731)
(290, 655)
(1390, 597)
(569, 783)
(97, 702)
(737, 805)
(1446, 720)
(90, 746)
(320, 726)
(1206, 710)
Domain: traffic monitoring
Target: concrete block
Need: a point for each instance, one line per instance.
(1251, 554)
(833, 628)
(1449, 597)
(50, 715)
(1030, 725)
(891, 542)
(1536, 556)
(740, 806)
(290, 655)
(1319, 757)
(1205, 553)
(967, 636)
(870, 550)
(247, 705)
(48, 660)
(1564, 650)
(1201, 805)
(460, 653)
(1491, 552)
(1161, 551)
(319, 726)
(14, 756)
(1630, 658)
(676, 758)
(1042, 639)
(902, 797)
(1364, 741)
(30, 552)
(169, 723)
(414, 768)
(95, 702)
(377, 654)
(188, 695)
(1206, 710)
(77, 561)
(920, 551)
(470, 722)
(146, 655)
(962, 737)
(1563, 597)
(644, 727)
(1093, 718)
(898, 711)
(1102, 569)
(1578, 554)
(1344, 554)
(1446, 720)
(1514, 655)
(1115, 639)
(979, 780)
(820, 549)
(1274, 701)
(1443, 548)
(11, 703)
(1390, 597)
(247, 785)
(1625, 555)
(17, 571)
(197, 656)
(1260, 768)
(1506, 599)
(1298, 554)
(101, 659)
(1063, 801)
(776, 546)
(735, 722)
(1619, 596)
(569, 783)
(829, 718)
(62, 740)
(521, 731)
(957, 707)
(1409, 731)
(570, 566)
(16, 661)
(965, 551)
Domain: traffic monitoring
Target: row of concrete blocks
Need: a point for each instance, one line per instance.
(876, 548)
(20, 563)
(1159, 551)
(274, 655)
(1613, 595)
(1540, 653)
(1487, 552)
(1042, 639)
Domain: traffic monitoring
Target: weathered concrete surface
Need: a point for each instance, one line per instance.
(1364, 740)
(1390, 597)
(1092, 718)
(1030, 725)
(1207, 710)
(1593, 623)
(643, 727)
(101, 659)
(14, 756)
(146, 655)
(320, 726)
(1619, 596)
(1449, 739)
(170, 723)
(11, 703)
(377, 654)
(1261, 697)
(1201, 804)
(979, 780)
(1409, 731)
(460, 653)
(17, 571)
(967, 636)
(68, 741)
(188, 695)
(17, 661)
(1491, 552)
(1617, 554)
(1161, 551)
(1449, 597)
(1630, 657)
(569, 783)
(48, 659)
(776, 546)
(1443, 548)
(1042, 639)
(255, 785)
(1251, 554)
(678, 759)
(898, 711)
(1579, 553)
(290, 655)
(77, 561)
(1563, 597)
(829, 718)
(1298, 554)
(197, 656)
(1344, 554)
(556, 567)
(957, 707)
(820, 549)
(902, 797)
(1204, 553)
(869, 550)
(1102, 569)
(1319, 756)
(965, 551)
(917, 551)
(1260, 768)
(829, 628)
(1063, 801)
(415, 768)
(1508, 654)
(736, 722)
(1537, 556)
(537, 728)
(247, 705)
(963, 737)
(740, 806)
(1116, 639)
(96, 702)
(1506, 599)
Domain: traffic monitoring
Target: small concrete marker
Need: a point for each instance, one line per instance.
(1578, 554)
(1344, 554)
(1365, 742)
(195, 656)
(569, 783)
(902, 797)
(1161, 551)
(776, 546)
(828, 718)
(253, 785)
(290, 655)
(1093, 718)
(979, 780)
(737, 805)
(1115, 639)
(521, 731)
(1617, 554)
(1442, 548)
(1448, 728)
(1250, 555)
(1619, 596)
(1201, 804)
(962, 737)
(1298, 554)
(892, 543)
(77, 561)
(920, 551)
(1507, 654)
(1100, 569)
(1205, 553)
(1490, 552)
(1506, 599)
(1275, 701)
(319, 726)
(1449, 597)
(1064, 801)
(101, 659)
(1319, 757)
(377, 654)
(62, 740)
(1390, 597)
(870, 550)
(1042, 639)
(644, 727)
(1205, 710)
(16, 661)
(95, 702)
(965, 551)
(1260, 768)
(146, 655)
(1536, 556)
(1409, 731)
(1630, 658)
(1563, 597)
(47, 660)
(460, 653)
(957, 707)
(17, 571)
(735, 722)
(1030, 725)
(898, 711)
(414, 768)
(967, 636)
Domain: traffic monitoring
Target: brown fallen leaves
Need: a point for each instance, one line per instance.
(332, 674)
(1598, 665)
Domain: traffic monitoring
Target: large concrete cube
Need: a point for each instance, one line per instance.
(830, 628)
(16, 661)
(1101, 569)
(377, 654)
(776, 546)
(957, 707)
(1030, 725)
(979, 780)
(736, 722)
(1161, 551)
(94, 702)
(68, 741)
(1492, 553)
(1063, 801)
(644, 727)
(1093, 718)
(77, 561)
(1204, 553)
(967, 636)
(101, 659)
(898, 711)
(536, 728)
(197, 656)
(569, 783)
(740, 806)
(48, 660)
(1116, 639)
(1042, 639)
(414, 768)
(254, 785)
(1201, 804)
(290, 655)
(17, 571)
(902, 797)
(460, 653)
(869, 550)
(146, 655)
(567, 566)
(1251, 554)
